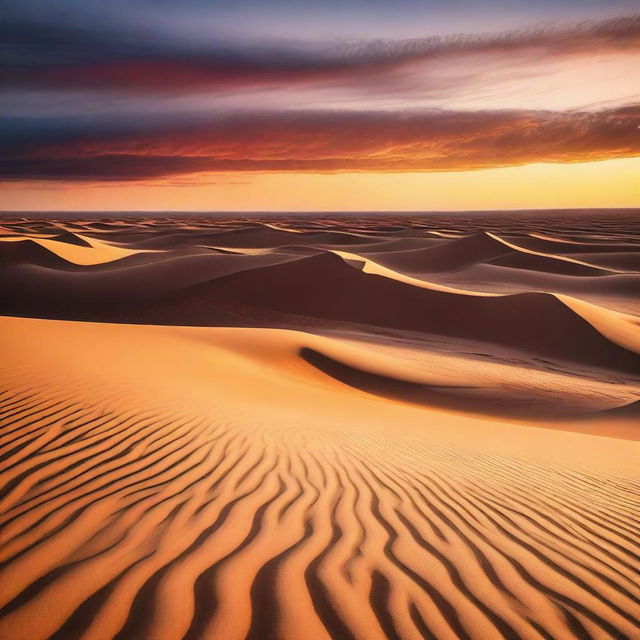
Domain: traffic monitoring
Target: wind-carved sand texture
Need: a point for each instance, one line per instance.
(320, 427)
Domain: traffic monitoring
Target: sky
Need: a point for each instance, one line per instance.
(281, 105)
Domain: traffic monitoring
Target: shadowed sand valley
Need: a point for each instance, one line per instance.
(287, 427)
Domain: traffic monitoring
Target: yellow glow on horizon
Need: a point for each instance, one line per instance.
(609, 183)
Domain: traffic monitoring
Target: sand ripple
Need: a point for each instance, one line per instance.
(124, 517)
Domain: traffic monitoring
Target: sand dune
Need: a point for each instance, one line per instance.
(614, 291)
(545, 244)
(622, 329)
(619, 260)
(547, 264)
(29, 252)
(84, 252)
(324, 287)
(400, 244)
(71, 238)
(366, 265)
(271, 289)
(254, 238)
(538, 255)
(327, 428)
(343, 527)
(476, 400)
(111, 292)
(448, 256)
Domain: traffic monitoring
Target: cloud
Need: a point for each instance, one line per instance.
(137, 100)
(326, 141)
(90, 54)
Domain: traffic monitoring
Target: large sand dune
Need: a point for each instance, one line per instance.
(262, 442)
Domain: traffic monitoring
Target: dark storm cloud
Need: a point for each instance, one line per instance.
(328, 142)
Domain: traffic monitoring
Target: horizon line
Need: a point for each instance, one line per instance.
(315, 211)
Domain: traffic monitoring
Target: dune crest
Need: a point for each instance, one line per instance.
(621, 328)
(369, 266)
(539, 254)
(85, 252)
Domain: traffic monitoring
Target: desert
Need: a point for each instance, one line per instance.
(385, 426)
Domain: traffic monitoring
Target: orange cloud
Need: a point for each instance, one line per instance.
(335, 142)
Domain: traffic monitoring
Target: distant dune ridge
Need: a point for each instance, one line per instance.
(376, 427)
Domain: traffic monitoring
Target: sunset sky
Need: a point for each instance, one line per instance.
(333, 105)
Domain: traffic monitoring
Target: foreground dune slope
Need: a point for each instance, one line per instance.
(180, 482)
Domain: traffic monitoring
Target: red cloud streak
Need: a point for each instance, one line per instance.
(337, 141)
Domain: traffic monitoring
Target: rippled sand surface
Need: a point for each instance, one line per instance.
(387, 427)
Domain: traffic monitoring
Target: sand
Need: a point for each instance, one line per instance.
(284, 444)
